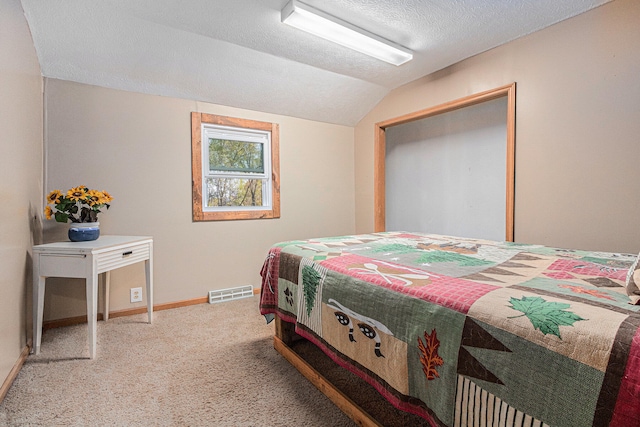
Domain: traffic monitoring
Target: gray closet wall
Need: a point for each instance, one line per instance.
(446, 174)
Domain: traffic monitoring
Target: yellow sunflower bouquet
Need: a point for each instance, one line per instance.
(79, 204)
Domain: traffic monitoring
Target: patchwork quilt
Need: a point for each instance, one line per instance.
(469, 332)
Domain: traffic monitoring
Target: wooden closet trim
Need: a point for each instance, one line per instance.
(380, 149)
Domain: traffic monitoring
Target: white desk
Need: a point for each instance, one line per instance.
(87, 260)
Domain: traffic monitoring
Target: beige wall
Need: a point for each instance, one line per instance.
(138, 147)
(20, 177)
(577, 127)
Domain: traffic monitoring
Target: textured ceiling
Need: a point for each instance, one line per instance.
(238, 53)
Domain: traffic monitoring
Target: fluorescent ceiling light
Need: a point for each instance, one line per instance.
(329, 27)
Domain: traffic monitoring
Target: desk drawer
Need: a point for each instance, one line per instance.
(63, 265)
(121, 257)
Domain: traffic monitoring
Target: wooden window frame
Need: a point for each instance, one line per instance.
(508, 91)
(199, 214)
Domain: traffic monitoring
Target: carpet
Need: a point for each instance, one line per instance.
(202, 365)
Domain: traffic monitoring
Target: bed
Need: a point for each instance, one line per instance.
(464, 331)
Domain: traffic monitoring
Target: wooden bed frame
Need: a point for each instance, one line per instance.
(284, 337)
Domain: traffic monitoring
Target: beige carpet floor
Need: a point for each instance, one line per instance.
(203, 365)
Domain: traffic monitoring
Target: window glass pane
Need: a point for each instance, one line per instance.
(233, 192)
(235, 156)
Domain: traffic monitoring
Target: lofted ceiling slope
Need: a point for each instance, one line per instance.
(238, 53)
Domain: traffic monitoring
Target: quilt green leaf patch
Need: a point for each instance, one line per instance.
(395, 248)
(547, 317)
(310, 282)
(611, 263)
(431, 257)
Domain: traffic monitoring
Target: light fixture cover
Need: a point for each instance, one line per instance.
(319, 23)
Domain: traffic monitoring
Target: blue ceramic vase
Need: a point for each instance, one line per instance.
(84, 231)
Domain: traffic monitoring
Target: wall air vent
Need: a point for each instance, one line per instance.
(222, 295)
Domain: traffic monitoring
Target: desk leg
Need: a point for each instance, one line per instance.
(38, 308)
(148, 269)
(107, 284)
(92, 311)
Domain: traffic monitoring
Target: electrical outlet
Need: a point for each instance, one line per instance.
(136, 294)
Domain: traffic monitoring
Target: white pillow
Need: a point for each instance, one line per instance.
(633, 282)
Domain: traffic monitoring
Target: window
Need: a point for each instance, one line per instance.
(235, 168)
